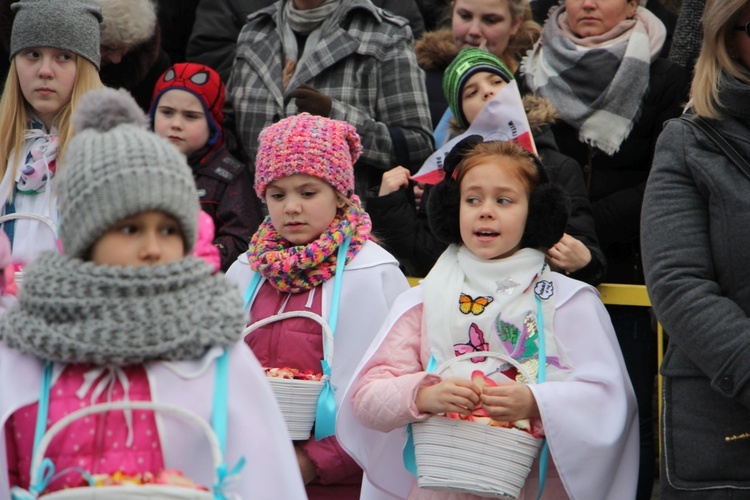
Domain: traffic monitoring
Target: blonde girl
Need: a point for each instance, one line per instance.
(54, 61)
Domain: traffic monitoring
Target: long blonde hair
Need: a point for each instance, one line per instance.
(13, 112)
(719, 18)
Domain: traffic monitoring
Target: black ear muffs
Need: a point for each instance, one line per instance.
(443, 202)
(549, 204)
(549, 208)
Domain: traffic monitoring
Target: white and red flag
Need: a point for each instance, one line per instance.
(502, 119)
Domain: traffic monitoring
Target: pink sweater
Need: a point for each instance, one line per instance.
(97, 444)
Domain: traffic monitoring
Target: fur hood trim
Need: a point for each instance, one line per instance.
(129, 22)
(539, 111)
(435, 50)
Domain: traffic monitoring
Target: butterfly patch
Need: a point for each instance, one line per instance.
(476, 343)
(467, 305)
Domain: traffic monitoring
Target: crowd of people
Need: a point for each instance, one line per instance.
(198, 196)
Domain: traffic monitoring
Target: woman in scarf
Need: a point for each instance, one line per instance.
(597, 61)
(696, 270)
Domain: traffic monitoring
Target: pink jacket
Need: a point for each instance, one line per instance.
(298, 343)
(96, 444)
(204, 245)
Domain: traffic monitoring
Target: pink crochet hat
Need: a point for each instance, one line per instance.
(308, 144)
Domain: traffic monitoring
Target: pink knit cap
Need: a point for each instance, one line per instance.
(308, 144)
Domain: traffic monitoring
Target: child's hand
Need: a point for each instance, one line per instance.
(450, 395)
(393, 180)
(509, 401)
(418, 193)
(569, 254)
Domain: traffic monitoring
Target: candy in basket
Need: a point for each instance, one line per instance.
(296, 392)
(465, 456)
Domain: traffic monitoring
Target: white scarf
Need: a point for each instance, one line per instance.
(473, 304)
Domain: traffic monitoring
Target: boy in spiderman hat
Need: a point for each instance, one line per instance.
(186, 108)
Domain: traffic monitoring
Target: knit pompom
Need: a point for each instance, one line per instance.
(104, 109)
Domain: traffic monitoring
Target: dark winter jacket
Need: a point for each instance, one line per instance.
(404, 230)
(138, 70)
(218, 24)
(695, 241)
(176, 19)
(225, 187)
(616, 183)
(435, 51)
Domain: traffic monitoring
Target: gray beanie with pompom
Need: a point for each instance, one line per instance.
(115, 168)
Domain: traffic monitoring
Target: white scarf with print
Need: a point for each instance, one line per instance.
(473, 305)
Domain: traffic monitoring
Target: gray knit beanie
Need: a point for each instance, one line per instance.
(115, 168)
(71, 25)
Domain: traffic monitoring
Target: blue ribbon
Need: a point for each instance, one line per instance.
(541, 377)
(409, 456)
(325, 413)
(46, 473)
(224, 478)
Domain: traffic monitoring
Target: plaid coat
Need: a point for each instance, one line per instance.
(366, 64)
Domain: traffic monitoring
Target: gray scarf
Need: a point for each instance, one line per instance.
(310, 22)
(72, 311)
(597, 84)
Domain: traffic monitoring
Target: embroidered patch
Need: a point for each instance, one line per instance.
(467, 305)
(544, 289)
(476, 343)
(506, 286)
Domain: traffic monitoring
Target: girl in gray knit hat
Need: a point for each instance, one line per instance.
(54, 51)
(124, 314)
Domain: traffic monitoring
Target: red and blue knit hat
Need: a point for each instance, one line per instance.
(311, 145)
(201, 81)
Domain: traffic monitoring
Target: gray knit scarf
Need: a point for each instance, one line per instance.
(72, 311)
(597, 84)
(734, 96)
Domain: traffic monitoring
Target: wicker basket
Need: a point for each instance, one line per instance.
(31, 216)
(467, 457)
(150, 491)
(298, 399)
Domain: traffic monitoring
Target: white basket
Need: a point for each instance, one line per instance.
(151, 491)
(298, 399)
(31, 216)
(467, 457)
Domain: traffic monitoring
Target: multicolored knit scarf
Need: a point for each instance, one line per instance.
(293, 269)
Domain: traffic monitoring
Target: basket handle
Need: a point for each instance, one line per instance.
(327, 333)
(32, 216)
(486, 354)
(123, 405)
